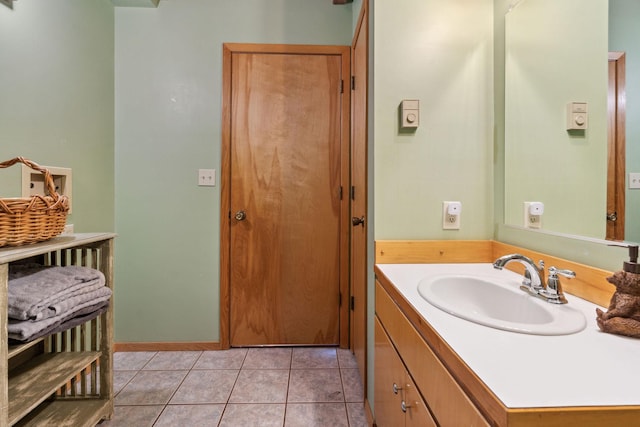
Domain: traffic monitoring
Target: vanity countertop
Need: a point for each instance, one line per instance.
(588, 368)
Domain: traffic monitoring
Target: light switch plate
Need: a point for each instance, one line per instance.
(207, 177)
(634, 180)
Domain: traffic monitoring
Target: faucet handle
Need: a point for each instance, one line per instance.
(553, 272)
(553, 292)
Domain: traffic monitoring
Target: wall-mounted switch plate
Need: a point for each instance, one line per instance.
(634, 180)
(577, 116)
(451, 215)
(33, 182)
(207, 177)
(410, 114)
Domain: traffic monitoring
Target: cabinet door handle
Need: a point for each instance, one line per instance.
(404, 406)
(396, 388)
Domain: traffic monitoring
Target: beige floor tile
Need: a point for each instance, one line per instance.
(190, 415)
(128, 416)
(121, 379)
(356, 414)
(302, 386)
(346, 359)
(261, 386)
(131, 360)
(315, 385)
(172, 361)
(314, 357)
(316, 415)
(253, 414)
(268, 358)
(352, 385)
(150, 388)
(206, 387)
(223, 359)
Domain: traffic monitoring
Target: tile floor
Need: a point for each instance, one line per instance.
(287, 387)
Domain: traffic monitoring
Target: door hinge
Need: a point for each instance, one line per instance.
(341, 86)
(353, 82)
(353, 302)
(353, 192)
(341, 192)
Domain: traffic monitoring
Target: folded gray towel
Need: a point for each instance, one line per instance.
(36, 292)
(79, 318)
(24, 330)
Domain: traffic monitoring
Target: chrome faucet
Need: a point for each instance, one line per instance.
(533, 281)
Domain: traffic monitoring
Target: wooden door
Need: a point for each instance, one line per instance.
(616, 157)
(287, 249)
(360, 223)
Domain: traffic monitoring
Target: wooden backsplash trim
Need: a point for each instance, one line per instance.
(590, 283)
(432, 251)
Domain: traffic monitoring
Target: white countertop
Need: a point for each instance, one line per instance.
(588, 368)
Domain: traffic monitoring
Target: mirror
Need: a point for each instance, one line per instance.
(556, 53)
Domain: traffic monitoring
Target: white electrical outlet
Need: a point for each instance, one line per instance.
(33, 182)
(207, 177)
(634, 180)
(531, 219)
(451, 215)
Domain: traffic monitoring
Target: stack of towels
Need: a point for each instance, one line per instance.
(45, 300)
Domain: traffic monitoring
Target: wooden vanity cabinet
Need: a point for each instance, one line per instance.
(397, 400)
(399, 347)
(64, 379)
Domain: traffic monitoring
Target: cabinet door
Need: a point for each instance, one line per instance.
(388, 372)
(417, 414)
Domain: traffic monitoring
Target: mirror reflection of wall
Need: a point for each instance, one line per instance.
(556, 53)
(624, 33)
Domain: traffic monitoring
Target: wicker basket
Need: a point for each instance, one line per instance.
(32, 219)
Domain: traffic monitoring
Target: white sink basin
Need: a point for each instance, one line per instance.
(499, 304)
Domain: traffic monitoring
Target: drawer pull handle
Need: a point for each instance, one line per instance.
(396, 388)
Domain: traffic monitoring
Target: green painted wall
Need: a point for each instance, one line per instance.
(584, 250)
(545, 70)
(57, 99)
(624, 34)
(421, 53)
(168, 113)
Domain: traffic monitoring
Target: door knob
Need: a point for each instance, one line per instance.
(240, 215)
(357, 221)
(613, 216)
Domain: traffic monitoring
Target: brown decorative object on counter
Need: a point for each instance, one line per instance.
(32, 219)
(623, 316)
